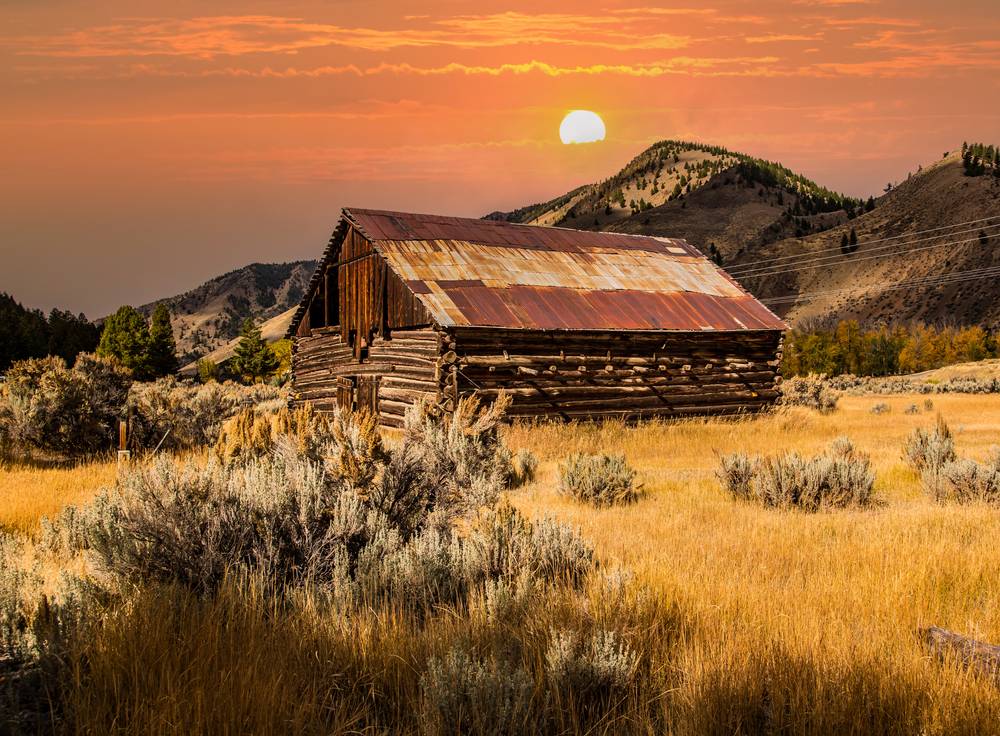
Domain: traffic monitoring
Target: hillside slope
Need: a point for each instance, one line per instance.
(921, 232)
(721, 201)
(209, 316)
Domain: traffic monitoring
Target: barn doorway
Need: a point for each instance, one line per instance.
(345, 393)
(368, 394)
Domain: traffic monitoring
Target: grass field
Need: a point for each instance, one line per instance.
(811, 616)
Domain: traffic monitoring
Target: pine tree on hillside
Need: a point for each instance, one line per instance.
(845, 247)
(254, 360)
(853, 240)
(126, 337)
(162, 346)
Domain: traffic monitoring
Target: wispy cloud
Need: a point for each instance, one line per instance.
(679, 65)
(215, 36)
(779, 37)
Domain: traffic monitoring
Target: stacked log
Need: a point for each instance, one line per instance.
(629, 375)
(571, 375)
(404, 365)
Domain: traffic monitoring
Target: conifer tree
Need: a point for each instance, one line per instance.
(126, 337)
(854, 240)
(254, 360)
(162, 346)
(844, 246)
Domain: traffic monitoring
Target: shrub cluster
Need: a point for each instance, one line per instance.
(867, 385)
(48, 407)
(813, 392)
(295, 497)
(838, 478)
(929, 451)
(600, 480)
(181, 416)
(328, 513)
(943, 474)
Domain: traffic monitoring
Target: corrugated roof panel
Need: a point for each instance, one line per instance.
(498, 274)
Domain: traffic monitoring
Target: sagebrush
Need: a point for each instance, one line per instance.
(838, 478)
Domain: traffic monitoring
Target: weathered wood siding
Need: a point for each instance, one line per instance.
(630, 374)
(393, 375)
(359, 293)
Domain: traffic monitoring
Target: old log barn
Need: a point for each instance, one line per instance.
(407, 308)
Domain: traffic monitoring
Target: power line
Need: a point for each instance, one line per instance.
(747, 265)
(892, 249)
(954, 276)
(940, 280)
(812, 266)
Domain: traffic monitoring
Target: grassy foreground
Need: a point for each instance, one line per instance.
(757, 621)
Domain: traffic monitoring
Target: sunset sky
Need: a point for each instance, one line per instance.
(148, 146)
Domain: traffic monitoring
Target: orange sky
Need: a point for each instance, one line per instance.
(147, 146)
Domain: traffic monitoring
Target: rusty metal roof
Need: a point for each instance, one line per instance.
(485, 273)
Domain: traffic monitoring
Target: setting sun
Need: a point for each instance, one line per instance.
(582, 126)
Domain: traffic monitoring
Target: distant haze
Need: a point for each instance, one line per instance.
(147, 148)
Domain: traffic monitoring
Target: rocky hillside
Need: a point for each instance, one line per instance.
(925, 252)
(209, 316)
(724, 202)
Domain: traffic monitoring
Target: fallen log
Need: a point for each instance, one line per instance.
(976, 655)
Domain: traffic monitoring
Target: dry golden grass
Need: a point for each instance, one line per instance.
(753, 620)
(27, 492)
(838, 597)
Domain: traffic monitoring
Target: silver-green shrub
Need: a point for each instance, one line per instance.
(964, 481)
(736, 472)
(813, 392)
(838, 478)
(189, 415)
(928, 451)
(465, 694)
(592, 667)
(600, 480)
(47, 407)
(370, 525)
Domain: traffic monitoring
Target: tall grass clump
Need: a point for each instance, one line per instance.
(840, 477)
(599, 480)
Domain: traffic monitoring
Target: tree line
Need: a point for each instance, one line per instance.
(146, 348)
(882, 350)
(28, 333)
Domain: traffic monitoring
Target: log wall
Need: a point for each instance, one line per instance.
(577, 375)
(392, 375)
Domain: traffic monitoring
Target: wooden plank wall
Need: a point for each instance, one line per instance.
(370, 297)
(404, 368)
(628, 375)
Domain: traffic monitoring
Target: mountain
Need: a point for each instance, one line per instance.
(723, 202)
(209, 316)
(780, 234)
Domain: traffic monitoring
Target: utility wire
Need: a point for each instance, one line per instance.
(943, 279)
(749, 264)
(809, 267)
